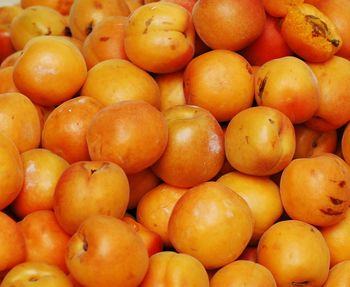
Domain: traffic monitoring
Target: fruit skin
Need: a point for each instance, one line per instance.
(243, 273)
(87, 188)
(211, 211)
(35, 21)
(118, 133)
(6, 45)
(316, 190)
(237, 23)
(310, 33)
(339, 275)
(289, 85)
(42, 170)
(334, 82)
(160, 37)
(65, 128)
(38, 274)
(120, 252)
(169, 268)
(84, 15)
(298, 240)
(54, 60)
(194, 135)
(269, 45)
(262, 196)
(44, 238)
(12, 244)
(11, 171)
(260, 141)
(210, 82)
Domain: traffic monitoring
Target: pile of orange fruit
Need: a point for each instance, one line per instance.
(174, 143)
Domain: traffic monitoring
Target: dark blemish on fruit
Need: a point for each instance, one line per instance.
(271, 121)
(49, 32)
(89, 28)
(104, 39)
(342, 183)
(92, 171)
(314, 144)
(262, 86)
(67, 32)
(320, 29)
(312, 230)
(85, 245)
(330, 211)
(147, 23)
(33, 279)
(302, 283)
(336, 201)
(247, 139)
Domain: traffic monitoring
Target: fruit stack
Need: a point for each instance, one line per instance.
(174, 143)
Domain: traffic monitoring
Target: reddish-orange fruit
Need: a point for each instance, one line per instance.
(132, 134)
(339, 275)
(106, 41)
(44, 238)
(41, 273)
(280, 8)
(169, 268)
(36, 21)
(64, 130)
(228, 24)
(337, 11)
(42, 169)
(194, 135)
(115, 80)
(211, 82)
(12, 246)
(155, 207)
(310, 33)
(120, 252)
(259, 141)
(334, 102)
(296, 254)
(87, 188)
(6, 80)
(269, 45)
(140, 183)
(50, 71)
(316, 190)
(160, 37)
(289, 85)
(310, 142)
(243, 273)
(20, 120)
(336, 236)
(262, 196)
(11, 171)
(85, 14)
(62, 6)
(211, 223)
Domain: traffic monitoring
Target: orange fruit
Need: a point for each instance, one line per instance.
(49, 62)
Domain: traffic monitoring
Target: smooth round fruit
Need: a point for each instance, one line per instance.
(160, 37)
(210, 82)
(228, 24)
(211, 223)
(243, 273)
(132, 134)
(120, 252)
(316, 190)
(50, 71)
(260, 141)
(296, 254)
(339, 275)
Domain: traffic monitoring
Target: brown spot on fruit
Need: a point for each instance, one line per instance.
(330, 211)
(302, 283)
(262, 86)
(336, 201)
(89, 27)
(342, 183)
(104, 39)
